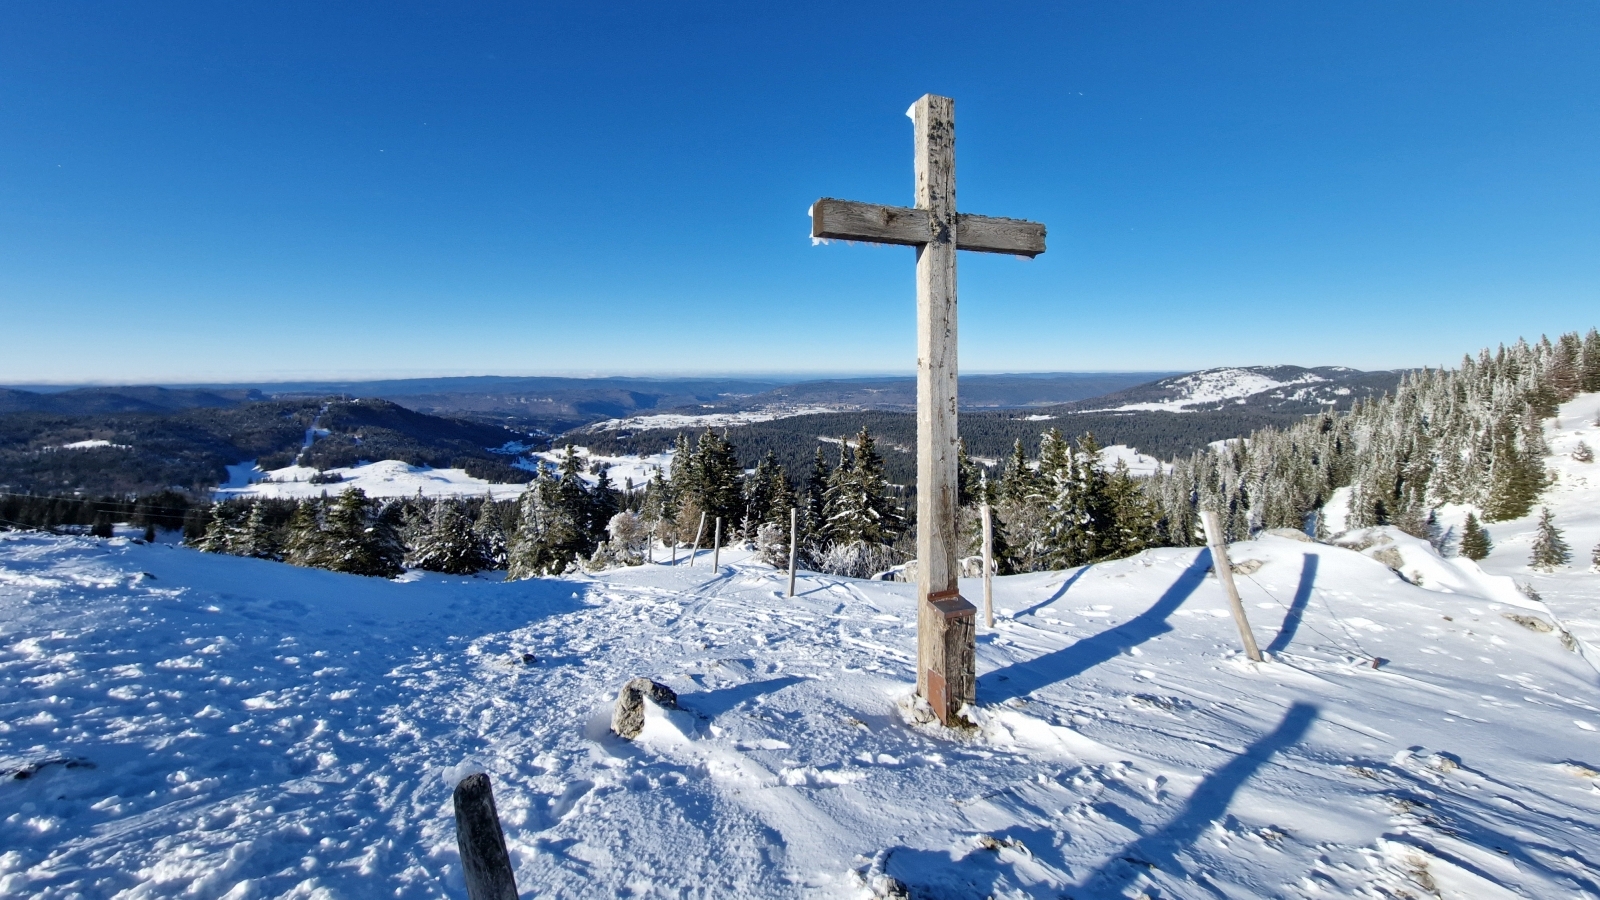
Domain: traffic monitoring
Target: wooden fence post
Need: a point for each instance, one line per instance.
(794, 535)
(484, 861)
(988, 567)
(716, 548)
(1224, 569)
(697, 532)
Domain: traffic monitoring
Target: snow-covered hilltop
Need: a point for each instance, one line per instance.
(1263, 386)
(180, 723)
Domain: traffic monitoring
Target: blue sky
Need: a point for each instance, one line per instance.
(211, 192)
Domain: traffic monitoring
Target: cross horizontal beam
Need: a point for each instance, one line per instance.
(847, 220)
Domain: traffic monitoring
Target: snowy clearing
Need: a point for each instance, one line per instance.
(205, 725)
(709, 420)
(1214, 385)
(389, 478)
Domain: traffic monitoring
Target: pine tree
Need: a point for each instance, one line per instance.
(767, 496)
(863, 521)
(968, 477)
(489, 528)
(257, 538)
(303, 541)
(1021, 510)
(528, 553)
(604, 503)
(359, 542)
(1550, 551)
(1475, 543)
(449, 545)
(1594, 558)
(813, 502)
(1583, 453)
(1590, 370)
(1133, 514)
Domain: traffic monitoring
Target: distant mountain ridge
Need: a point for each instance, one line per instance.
(101, 400)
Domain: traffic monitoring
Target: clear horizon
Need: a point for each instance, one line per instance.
(199, 194)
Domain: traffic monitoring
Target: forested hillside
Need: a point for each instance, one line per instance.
(1471, 436)
(147, 451)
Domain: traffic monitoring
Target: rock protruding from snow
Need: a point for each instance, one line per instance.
(627, 719)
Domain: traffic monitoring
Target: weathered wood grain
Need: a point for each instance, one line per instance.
(484, 861)
(848, 220)
(991, 234)
(794, 543)
(1224, 569)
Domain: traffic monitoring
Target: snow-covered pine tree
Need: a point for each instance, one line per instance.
(1475, 543)
(813, 503)
(258, 538)
(1583, 453)
(767, 496)
(490, 527)
(1590, 367)
(1594, 558)
(1550, 550)
(449, 544)
(527, 552)
(1133, 514)
(863, 520)
(303, 543)
(225, 529)
(358, 541)
(604, 502)
(1020, 511)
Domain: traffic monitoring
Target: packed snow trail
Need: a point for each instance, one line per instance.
(201, 725)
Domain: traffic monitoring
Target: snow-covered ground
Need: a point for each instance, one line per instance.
(1214, 385)
(708, 420)
(1574, 501)
(211, 726)
(1138, 463)
(204, 725)
(389, 478)
(619, 468)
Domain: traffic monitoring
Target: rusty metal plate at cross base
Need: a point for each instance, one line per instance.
(951, 605)
(938, 695)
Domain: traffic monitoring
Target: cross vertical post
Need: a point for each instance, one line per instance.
(946, 635)
(946, 623)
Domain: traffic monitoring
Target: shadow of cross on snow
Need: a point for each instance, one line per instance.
(1297, 609)
(1019, 679)
(1209, 802)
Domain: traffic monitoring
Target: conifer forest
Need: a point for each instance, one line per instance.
(1470, 436)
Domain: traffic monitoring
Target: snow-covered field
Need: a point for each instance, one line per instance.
(210, 726)
(707, 420)
(1213, 385)
(389, 478)
(392, 478)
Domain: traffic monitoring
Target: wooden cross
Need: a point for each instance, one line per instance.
(946, 653)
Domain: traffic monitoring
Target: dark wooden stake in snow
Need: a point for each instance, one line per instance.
(484, 860)
(946, 675)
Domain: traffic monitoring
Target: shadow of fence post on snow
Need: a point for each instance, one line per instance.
(485, 863)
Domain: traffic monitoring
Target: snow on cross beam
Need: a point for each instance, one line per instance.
(946, 652)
